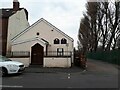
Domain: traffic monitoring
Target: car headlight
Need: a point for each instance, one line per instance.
(11, 65)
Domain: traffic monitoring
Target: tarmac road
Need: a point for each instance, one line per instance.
(98, 75)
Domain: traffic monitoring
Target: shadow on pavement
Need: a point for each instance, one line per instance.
(38, 69)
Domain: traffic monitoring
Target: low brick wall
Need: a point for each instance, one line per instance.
(48, 61)
(57, 62)
(25, 61)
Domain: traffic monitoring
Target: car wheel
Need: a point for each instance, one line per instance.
(4, 72)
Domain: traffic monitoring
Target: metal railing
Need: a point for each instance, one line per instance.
(57, 54)
(18, 54)
(46, 54)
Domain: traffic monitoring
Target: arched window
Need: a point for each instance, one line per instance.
(56, 41)
(63, 41)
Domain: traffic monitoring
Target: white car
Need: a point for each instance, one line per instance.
(10, 67)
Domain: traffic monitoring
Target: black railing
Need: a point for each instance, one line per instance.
(57, 54)
(46, 54)
(18, 54)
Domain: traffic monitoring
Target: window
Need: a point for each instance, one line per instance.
(37, 33)
(60, 51)
(56, 41)
(63, 41)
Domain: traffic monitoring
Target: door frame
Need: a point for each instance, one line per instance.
(32, 52)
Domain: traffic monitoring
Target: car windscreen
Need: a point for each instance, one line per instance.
(3, 59)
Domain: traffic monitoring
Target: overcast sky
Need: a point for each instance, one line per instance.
(64, 14)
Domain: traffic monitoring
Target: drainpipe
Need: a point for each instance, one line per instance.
(67, 52)
(47, 49)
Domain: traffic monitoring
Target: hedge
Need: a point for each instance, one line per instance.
(106, 56)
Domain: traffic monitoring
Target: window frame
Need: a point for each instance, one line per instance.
(56, 41)
(60, 52)
(63, 41)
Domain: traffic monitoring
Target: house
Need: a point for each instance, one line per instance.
(12, 21)
(40, 44)
(43, 44)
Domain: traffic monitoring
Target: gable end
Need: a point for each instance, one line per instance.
(34, 24)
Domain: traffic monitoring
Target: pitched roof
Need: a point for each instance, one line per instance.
(7, 12)
(34, 24)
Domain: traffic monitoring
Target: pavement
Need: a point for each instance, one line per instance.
(38, 69)
(93, 66)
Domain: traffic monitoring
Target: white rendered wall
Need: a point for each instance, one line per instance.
(26, 46)
(25, 61)
(46, 33)
(57, 62)
(48, 62)
(17, 23)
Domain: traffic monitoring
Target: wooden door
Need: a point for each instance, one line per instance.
(37, 54)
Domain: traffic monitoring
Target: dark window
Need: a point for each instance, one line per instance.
(56, 41)
(63, 41)
(60, 51)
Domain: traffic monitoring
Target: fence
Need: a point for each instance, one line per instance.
(18, 54)
(57, 54)
(107, 56)
(46, 54)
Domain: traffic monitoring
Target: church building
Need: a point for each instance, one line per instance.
(38, 44)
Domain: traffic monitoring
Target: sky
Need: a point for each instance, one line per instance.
(64, 14)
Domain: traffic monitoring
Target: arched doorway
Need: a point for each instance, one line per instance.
(37, 54)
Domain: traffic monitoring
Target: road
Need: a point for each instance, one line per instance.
(98, 75)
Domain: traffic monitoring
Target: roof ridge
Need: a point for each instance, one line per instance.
(41, 19)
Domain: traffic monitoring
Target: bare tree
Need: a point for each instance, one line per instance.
(114, 21)
(84, 33)
(88, 32)
(100, 26)
(92, 8)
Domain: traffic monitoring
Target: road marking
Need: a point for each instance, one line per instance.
(7, 86)
(84, 70)
(68, 77)
(69, 74)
